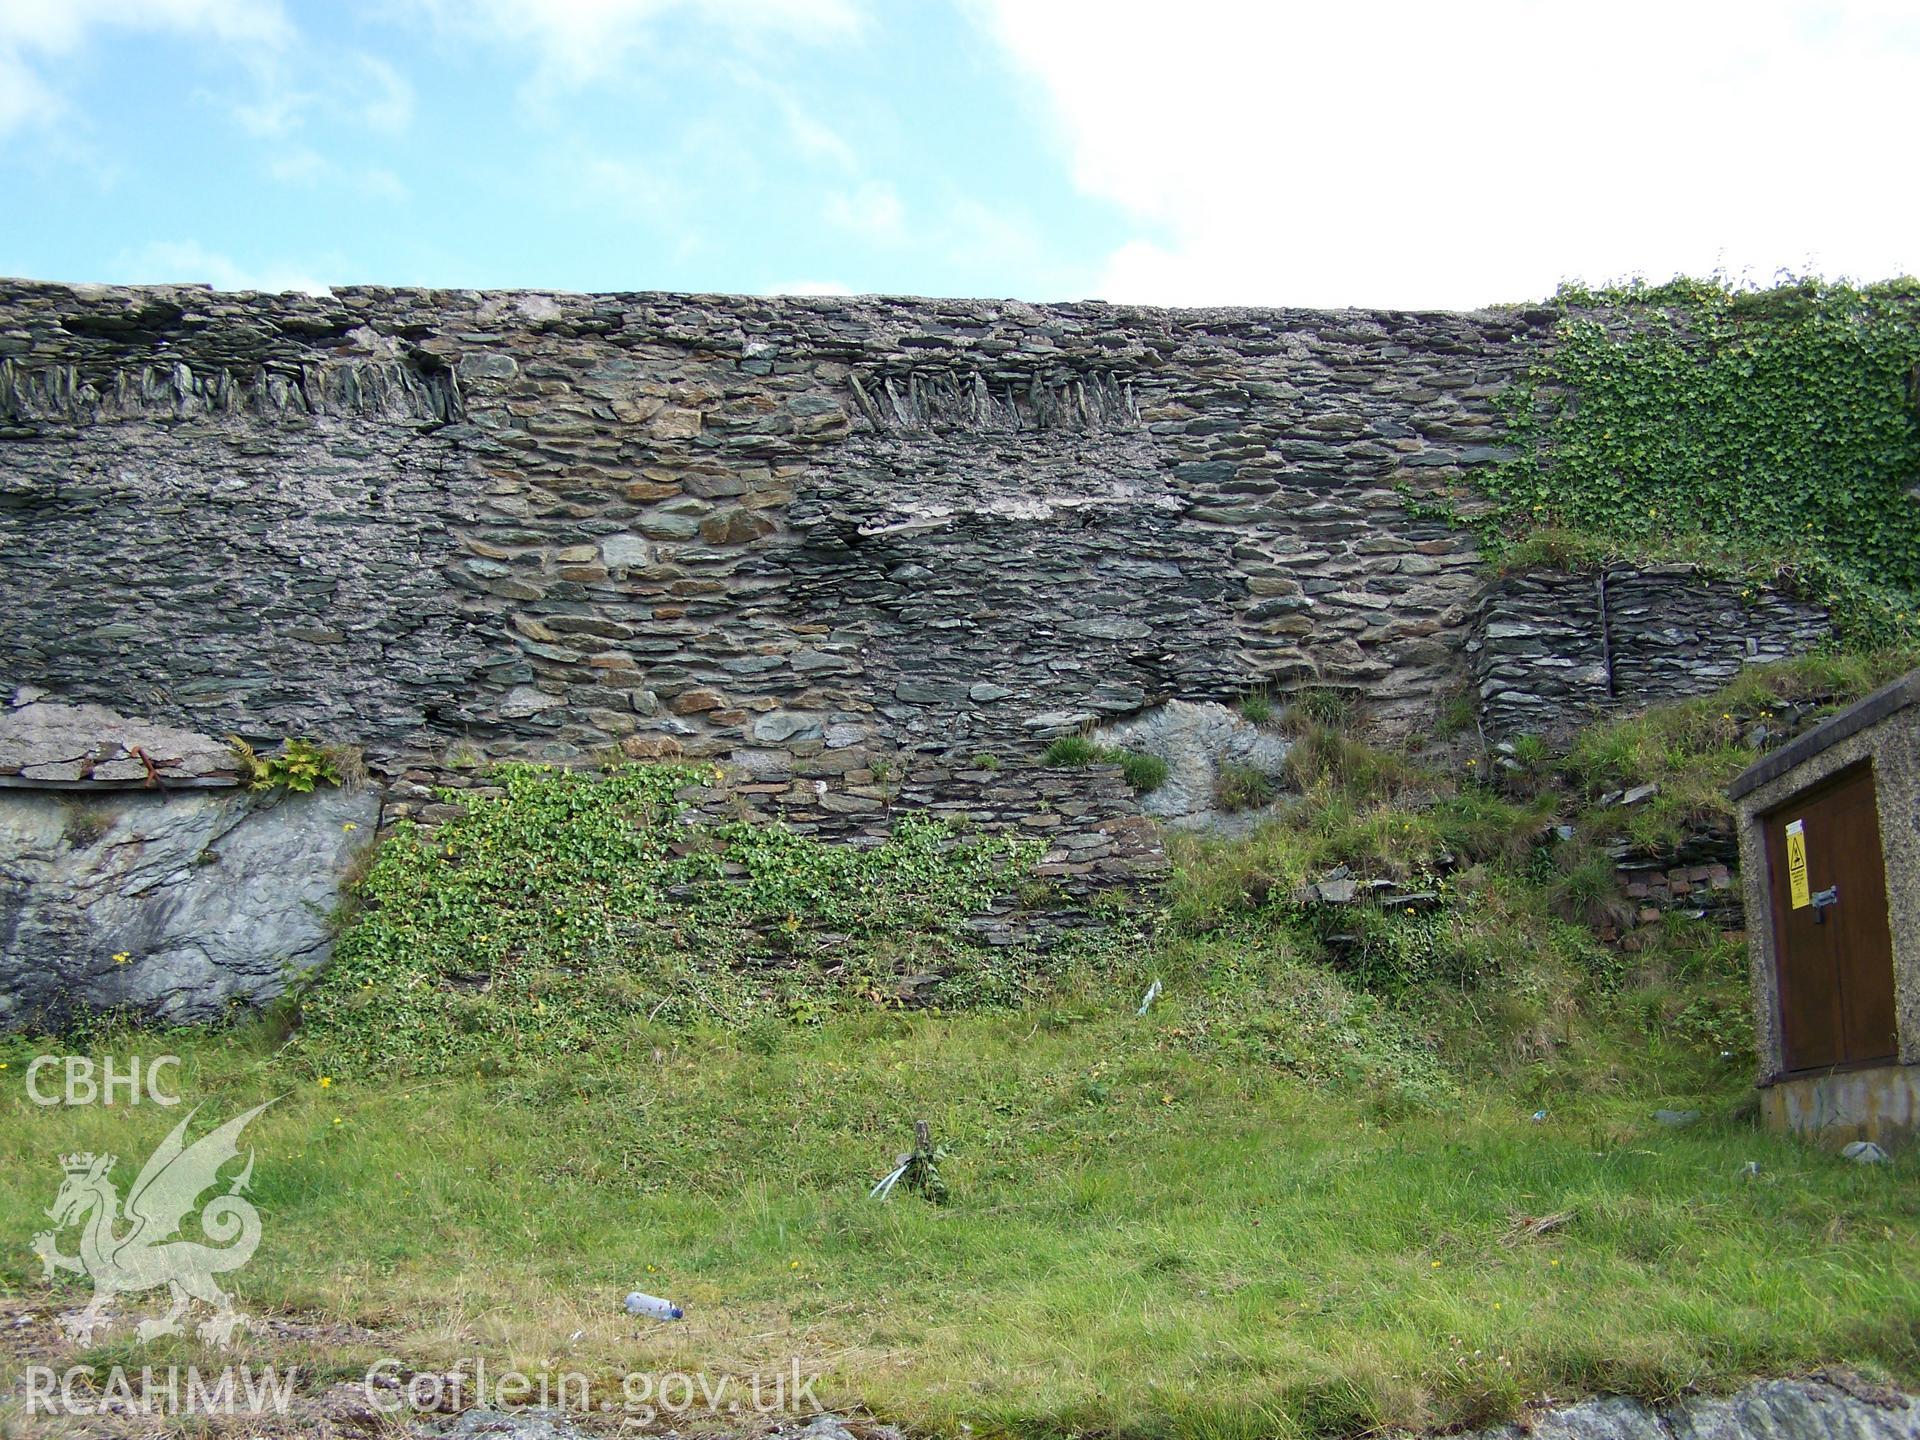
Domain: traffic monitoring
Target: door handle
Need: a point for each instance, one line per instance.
(1822, 901)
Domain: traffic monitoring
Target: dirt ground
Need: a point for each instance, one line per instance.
(313, 1359)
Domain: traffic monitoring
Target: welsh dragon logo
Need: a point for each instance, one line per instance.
(148, 1255)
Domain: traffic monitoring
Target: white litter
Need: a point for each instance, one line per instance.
(1153, 994)
(885, 1187)
(653, 1307)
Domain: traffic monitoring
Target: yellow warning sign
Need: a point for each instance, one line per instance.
(1797, 864)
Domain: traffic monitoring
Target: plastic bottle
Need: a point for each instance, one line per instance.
(653, 1307)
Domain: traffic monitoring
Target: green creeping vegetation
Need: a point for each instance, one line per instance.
(575, 904)
(1770, 434)
(1305, 1194)
(1143, 773)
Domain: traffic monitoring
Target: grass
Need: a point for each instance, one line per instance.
(1239, 787)
(1692, 749)
(1302, 1195)
(1073, 751)
(1143, 1238)
(1143, 773)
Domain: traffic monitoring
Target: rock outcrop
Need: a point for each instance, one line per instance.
(136, 873)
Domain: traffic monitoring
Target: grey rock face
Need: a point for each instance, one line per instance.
(1769, 1410)
(212, 897)
(1195, 740)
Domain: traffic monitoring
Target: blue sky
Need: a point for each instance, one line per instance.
(1201, 152)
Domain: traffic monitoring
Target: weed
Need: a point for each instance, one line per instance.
(1239, 787)
(1071, 752)
(82, 824)
(300, 766)
(1323, 755)
(1143, 773)
(1458, 714)
(1321, 706)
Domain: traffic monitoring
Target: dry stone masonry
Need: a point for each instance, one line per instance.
(769, 532)
(1550, 651)
(786, 534)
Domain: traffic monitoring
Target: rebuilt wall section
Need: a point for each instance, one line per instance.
(1551, 650)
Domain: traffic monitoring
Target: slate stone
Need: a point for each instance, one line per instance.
(780, 726)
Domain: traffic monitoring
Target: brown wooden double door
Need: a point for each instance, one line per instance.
(1831, 940)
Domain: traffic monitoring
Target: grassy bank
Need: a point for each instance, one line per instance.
(1354, 1168)
(1140, 1239)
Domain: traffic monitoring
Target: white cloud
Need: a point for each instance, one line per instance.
(36, 34)
(58, 26)
(578, 41)
(23, 98)
(187, 261)
(309, 169)
(811, 136)
(382, 184)
(383, 98)
(349, 87)
(626, 186)
(871, 210)
(1403, 152)
(286, 80)
(299, 167)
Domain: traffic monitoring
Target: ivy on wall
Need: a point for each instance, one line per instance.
(1771, 432)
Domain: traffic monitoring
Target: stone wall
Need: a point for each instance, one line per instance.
(797, 536)
(1098, 845)
(806, 530)
(1551, 650)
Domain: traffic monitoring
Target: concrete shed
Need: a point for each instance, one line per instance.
(1830, 863)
